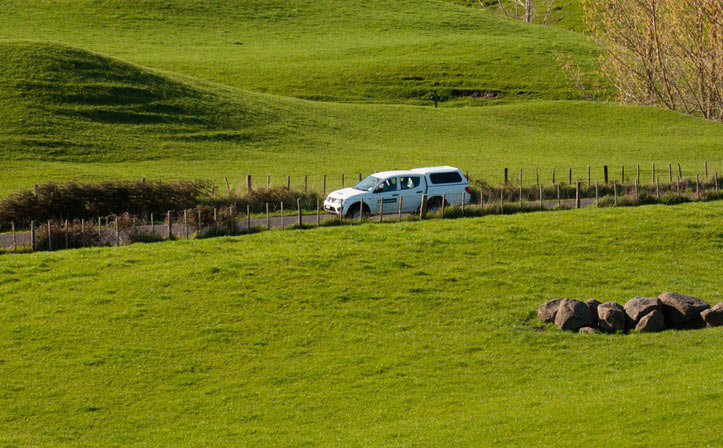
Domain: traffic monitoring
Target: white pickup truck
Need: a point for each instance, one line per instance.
(400, 188)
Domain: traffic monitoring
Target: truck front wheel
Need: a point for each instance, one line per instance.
(353, 212)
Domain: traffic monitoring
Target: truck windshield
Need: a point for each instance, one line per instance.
(368, 183)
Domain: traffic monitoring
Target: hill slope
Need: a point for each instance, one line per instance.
(412, 334)
(71, 114)
(371, 51)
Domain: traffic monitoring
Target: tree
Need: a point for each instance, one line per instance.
(662, 52)
(525, 10)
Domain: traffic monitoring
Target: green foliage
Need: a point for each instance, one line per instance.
(418, 333)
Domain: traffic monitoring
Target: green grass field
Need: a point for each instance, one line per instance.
(74, 115)
(298, 338)
(371, 51)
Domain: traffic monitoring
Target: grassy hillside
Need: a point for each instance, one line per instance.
(565, 14)
(297, 338)
(70, 114)
(371, 51)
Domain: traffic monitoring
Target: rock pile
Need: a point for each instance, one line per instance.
(643, 314)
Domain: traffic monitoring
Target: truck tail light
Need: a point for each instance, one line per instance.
(466, 189)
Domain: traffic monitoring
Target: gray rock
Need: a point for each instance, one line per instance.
(588, 330)
(593, 304)
(713, 317)
(573, 315)
(637, 307)
(682, 311)
(547, 311)
(611, 316)
(652, 322)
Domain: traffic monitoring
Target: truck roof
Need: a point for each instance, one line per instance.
(435, 169)
(427, 170)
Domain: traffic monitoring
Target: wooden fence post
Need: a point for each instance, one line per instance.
(637, 195)
(615, 191)
(520, 188)
(268, 182)
(657, 187)
(32, 235)
(228, 187)
(35, 190)
(637, 175)
(423, 205)
(200, 222)
(588, 175)
(541, 188)
(553, 176)
(215, 220)
(288, 182)
(570, 176)
(306, 183)
(381, 210)
(153, 224)
(670, 173)
(185, 223)
(249, 186)
(399, 211)
(506, 178)
(318, 211)
(117, 232)
(282, 215)
(577, 194)
(12, 230)
(50, 237)
(597, 195)
(653, 177)
(444, 202)
(537, 175)
(502, 200)
(622, 175)
(342, 180)
(705, 168)
(680, 171)
(697, 186)
(463, 201)
(605, 174)
(232, 220)
(360, 177)
(559, 201)
(298, 208)
(715, 181)
(248, 217)
(361, 208)
(677, 181)
(268, 217)
(213, 188)
(324, 186)
(169, 224)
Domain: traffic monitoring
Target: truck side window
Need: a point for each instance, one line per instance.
(407, 183)
(389, 184)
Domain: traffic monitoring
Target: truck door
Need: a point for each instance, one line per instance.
(388, 192)
(411, 190)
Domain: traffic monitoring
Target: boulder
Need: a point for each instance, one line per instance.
(637, 307)
(652, 322)
(682, 311)
(593, 304)
(573, 315)
(588, 330)
(547, 311)
(611, 316)
(713, 317)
